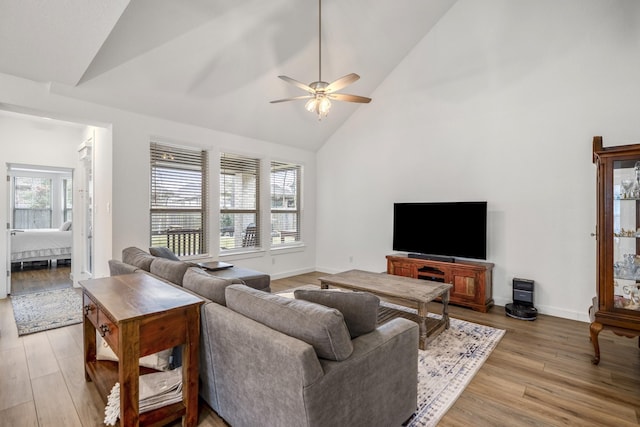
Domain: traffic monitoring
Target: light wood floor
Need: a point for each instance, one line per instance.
(539, 375)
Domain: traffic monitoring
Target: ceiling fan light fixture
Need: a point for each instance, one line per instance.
(319, 105)
(320, 93)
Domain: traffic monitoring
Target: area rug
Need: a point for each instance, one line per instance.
(447, 366)
(40, 311)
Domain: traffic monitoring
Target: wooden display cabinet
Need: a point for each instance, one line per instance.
(471, 280)
(617, 304)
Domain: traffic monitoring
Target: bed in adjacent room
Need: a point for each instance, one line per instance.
(41, 244)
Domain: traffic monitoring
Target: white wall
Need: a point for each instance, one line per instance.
(122, 199)
(41, 143)
(499, 103)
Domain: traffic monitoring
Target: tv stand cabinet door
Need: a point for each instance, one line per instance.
(465, 284)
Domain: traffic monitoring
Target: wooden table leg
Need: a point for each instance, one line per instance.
(445, 309)
(423, 312)
(190, 369)
(594, 330)
(89, 338)
(128, 374)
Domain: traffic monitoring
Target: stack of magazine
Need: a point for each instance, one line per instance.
(156, 390)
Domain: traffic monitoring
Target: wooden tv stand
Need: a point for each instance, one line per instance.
(471, 280)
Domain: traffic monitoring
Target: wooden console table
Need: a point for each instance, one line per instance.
(140, 315)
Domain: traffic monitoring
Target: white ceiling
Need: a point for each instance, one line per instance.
(213, 63)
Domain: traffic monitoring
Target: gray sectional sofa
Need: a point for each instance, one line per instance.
(271, 360)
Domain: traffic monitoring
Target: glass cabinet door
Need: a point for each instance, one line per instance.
(626, 234)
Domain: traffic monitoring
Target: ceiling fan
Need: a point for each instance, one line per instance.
(322, 93)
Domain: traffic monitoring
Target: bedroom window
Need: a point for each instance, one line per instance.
(239, 202)
(179, 179)
(285, 203)
(32, 202)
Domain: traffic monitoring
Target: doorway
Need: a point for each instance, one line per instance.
(40, 228)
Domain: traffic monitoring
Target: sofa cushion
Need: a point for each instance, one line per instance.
(321, 327)
(117, 268)
(208, 286)
(163, 252)
(170, 270)
(360, 309)
(138, 257)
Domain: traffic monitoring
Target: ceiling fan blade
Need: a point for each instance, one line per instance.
(349, 98)
(342, 82)
(295, 98)
(298, 84)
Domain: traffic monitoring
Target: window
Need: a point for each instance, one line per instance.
(239, 202)
(32, 203)
(178, 199)
(285, 203)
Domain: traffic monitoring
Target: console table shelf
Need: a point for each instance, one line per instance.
(471, 280)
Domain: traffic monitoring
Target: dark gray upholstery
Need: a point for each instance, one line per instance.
(208, 286)
(253, 375)
(138, 257)
(117, 268)
(251, 278)
(170, 270)
(320, 326)
(163, 252)
(360, 309)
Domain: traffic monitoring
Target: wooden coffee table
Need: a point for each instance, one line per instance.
(405, 291)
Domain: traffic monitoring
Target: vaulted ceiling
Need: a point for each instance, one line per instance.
(213, 63)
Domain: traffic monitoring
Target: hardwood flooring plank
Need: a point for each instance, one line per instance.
(86, 399)
(40, 356)
(14, 375)
(63, 343)
(54, 405)
(23, 415)
(8, 330)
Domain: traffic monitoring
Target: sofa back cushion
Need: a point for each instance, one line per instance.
(360, 309)
(206, 285)
(173, 271)
(138, 257)
(321, 327)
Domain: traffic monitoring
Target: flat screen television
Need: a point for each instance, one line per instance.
(441, 230)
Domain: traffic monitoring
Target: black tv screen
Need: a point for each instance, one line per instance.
(448, 229)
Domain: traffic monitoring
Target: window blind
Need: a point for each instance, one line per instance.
(239, 202)
(285, 203)
(179, 181)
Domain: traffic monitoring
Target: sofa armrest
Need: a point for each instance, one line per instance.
(246, 366)
(377, 384)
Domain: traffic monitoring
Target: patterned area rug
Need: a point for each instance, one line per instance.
(447, 366)
(40, 311)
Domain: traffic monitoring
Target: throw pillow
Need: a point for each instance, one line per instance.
(321, 327)
(163, 252)
(158, 361)
(66, 226)
(208, 286)
(360, 309)
(138, 257)
(173, 271)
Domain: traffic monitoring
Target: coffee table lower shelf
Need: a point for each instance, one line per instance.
(433, 326)
(104, 374)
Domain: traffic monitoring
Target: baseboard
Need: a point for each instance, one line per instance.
(551, 311)
(284, 275)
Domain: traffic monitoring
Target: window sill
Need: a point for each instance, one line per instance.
(287, 249)
(244, 254)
